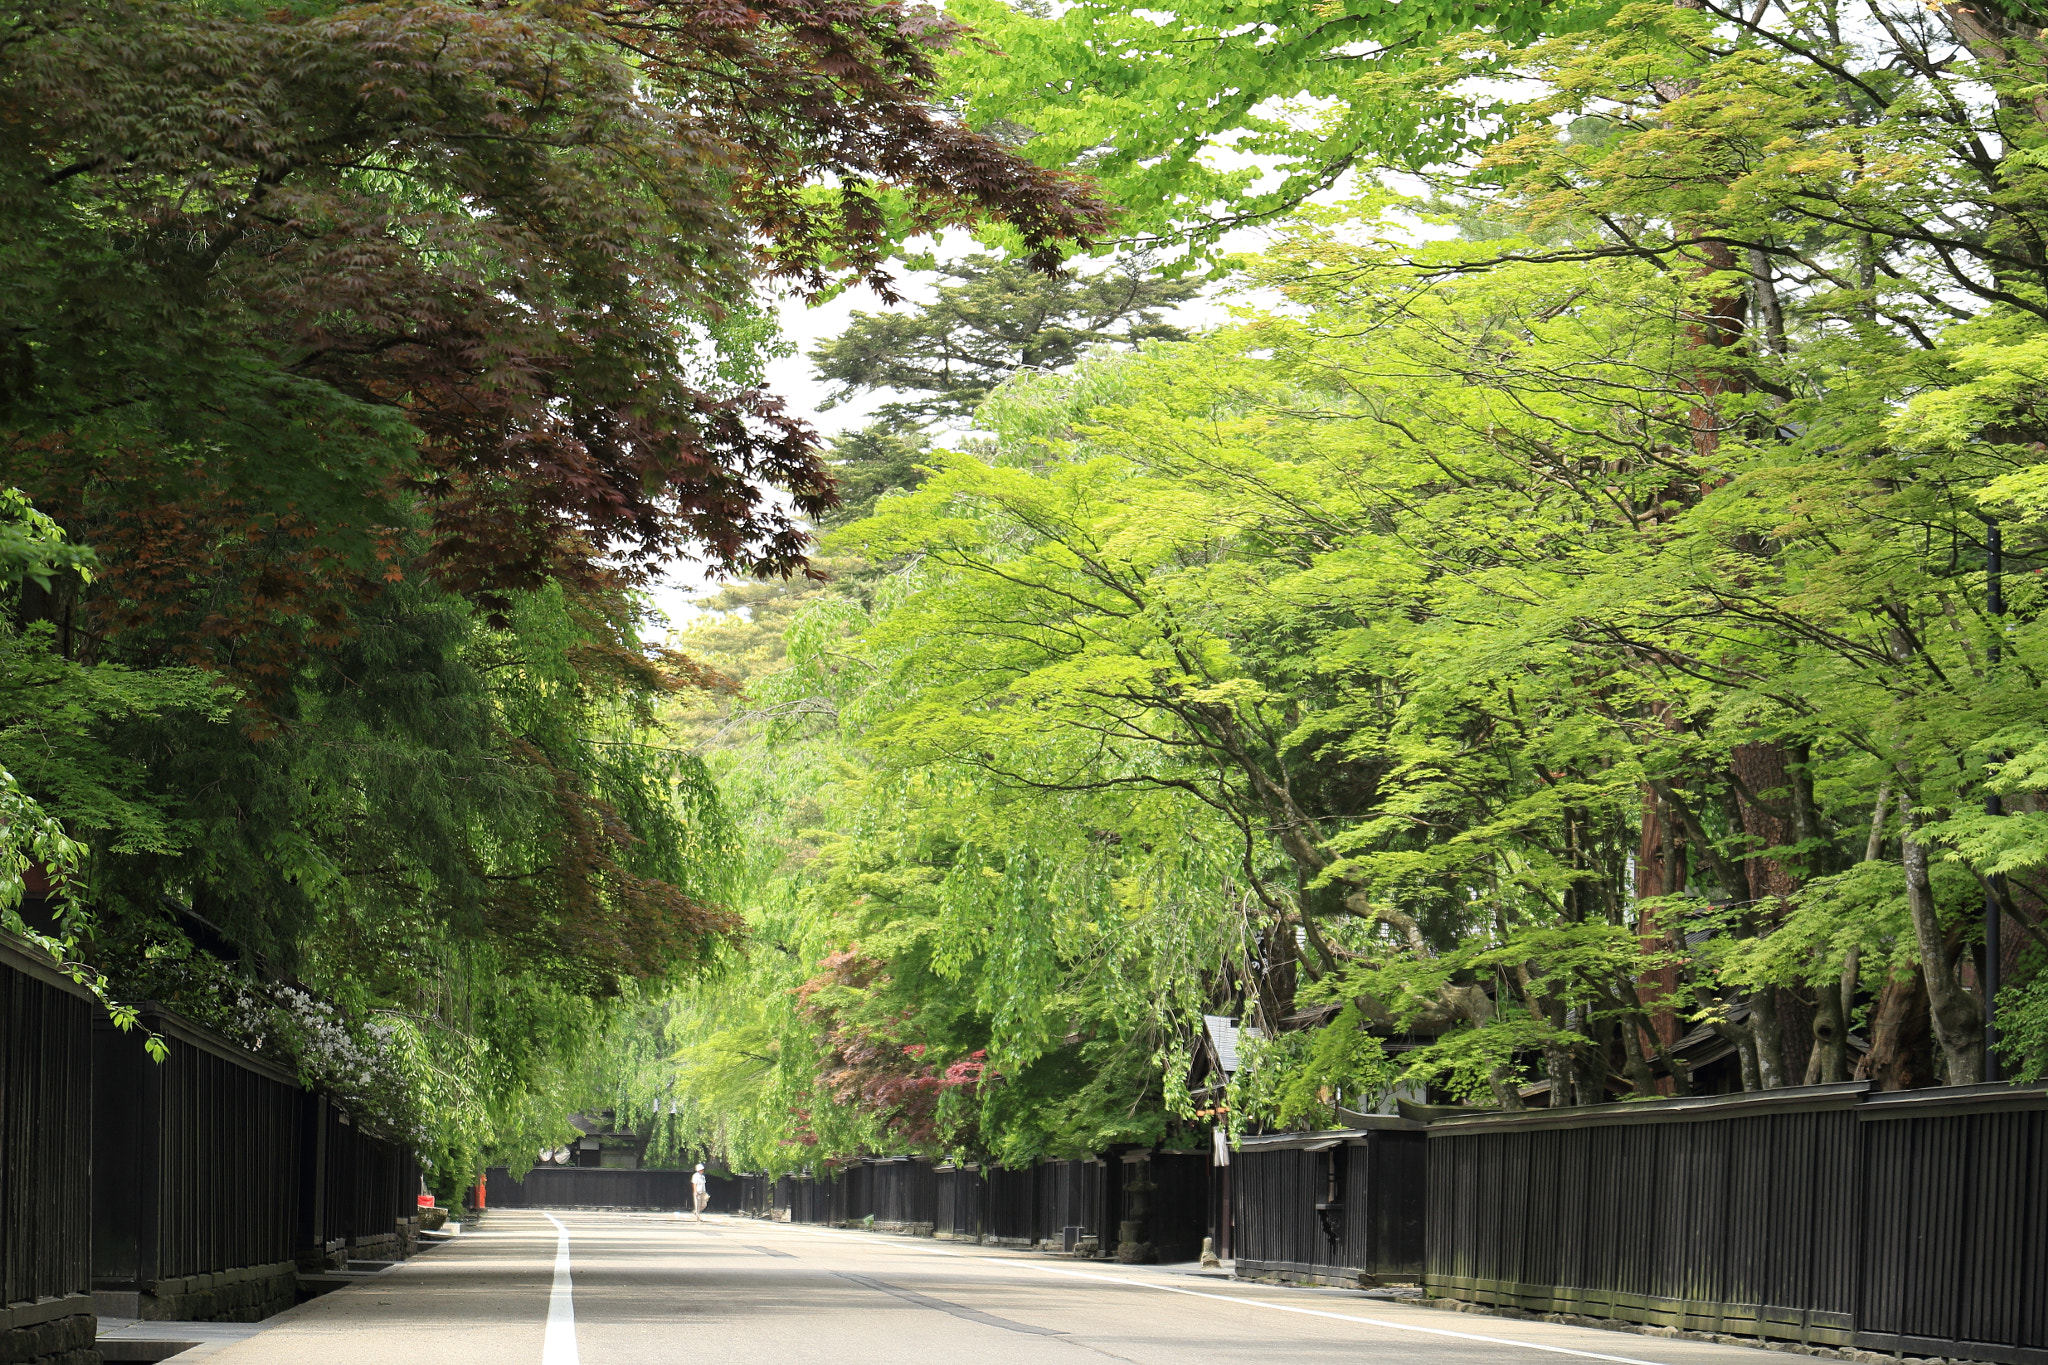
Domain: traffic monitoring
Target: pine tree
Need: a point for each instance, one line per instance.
(997, 319)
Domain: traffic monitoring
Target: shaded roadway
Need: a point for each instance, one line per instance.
(651, 1288)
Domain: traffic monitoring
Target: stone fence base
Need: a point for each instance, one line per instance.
(244, 1294)
(49, 1332)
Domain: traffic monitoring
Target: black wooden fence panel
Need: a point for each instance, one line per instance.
(961, 1196)
(1067, 1194)
(856, 1194)
(46, 1099)
(1011, 1211)
(905, 1194)
(1955, 1252)
(597, 1187)
(370, 1182)
(1276, 1190)
(1178, 1205)
(196, 1160)
(797, 1196)
(817, 1198)
(1705, 1214)
(1914, 1222)
(1336, 1205)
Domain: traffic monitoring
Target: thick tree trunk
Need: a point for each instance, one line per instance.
(1958, 1016)
(1901, 1055)
(1557, 1069)
(1767, 1038)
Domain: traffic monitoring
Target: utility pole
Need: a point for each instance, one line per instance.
(1994, 924)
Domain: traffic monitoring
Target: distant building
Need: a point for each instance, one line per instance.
(603, 1144)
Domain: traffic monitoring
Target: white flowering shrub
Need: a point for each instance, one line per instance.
(375, 1067)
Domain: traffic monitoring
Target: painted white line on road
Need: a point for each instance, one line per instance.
(558, 1347)
(1267, 1303)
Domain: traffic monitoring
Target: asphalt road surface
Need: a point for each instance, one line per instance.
(577, 1288)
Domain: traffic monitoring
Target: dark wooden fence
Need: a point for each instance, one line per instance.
(197, 1164)
(905, 1195)
(961, 1197)
(813, 1198)
(46, 1101)
(596, 1187)
(1074, 1202)
(796, 1199)
(1164, 1205)
(1955, 1232)
(196, 1188)
(1057, 1205)
(1912, 1222)
(368, 1186)
(1342, 1206)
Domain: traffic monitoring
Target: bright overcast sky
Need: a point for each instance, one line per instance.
(796, 384)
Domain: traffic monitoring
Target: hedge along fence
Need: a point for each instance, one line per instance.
(1344, 1206)
(196, 1176)
(46, 1099)
(1915, 1221)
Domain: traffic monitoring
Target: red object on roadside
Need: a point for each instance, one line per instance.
(426, 1200)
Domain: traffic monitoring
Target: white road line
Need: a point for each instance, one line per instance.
(559, 1346)
(1277, 1307)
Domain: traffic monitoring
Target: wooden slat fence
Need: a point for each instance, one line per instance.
(1955, 1226)
(46, 1113)
(961, 1198)
(905, 1194)
(371, 1186)
(196, 1173)
(1913, 1222)
(1011, 1206)
(1342, 1206)
(597, 1187)
(1166, 1196)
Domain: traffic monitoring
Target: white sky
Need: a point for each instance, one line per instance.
(794, 381)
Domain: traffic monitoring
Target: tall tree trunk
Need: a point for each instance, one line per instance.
(1658, 873)
(1829, 1060)
(1958, 1016)
(1838, 1006)
(1767, 1038)
(1765, 795)
(1901, 1055)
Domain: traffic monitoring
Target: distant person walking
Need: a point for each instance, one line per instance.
(700, 1191)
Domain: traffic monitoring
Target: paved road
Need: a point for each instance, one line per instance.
(648, 1288)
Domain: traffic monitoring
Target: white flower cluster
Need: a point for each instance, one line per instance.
(364, 1067)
